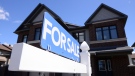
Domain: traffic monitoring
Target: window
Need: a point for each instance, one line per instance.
(79, 36)
(99, 33)
(105, 33)
(113, 32)
(37, 34)
(25, 38)
(133, 61)
(102, 65)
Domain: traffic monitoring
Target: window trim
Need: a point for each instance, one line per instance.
(39, 34)
(109, 29)
(109, 68)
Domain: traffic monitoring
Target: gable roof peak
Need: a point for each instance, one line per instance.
(38, 9)
(103, 9)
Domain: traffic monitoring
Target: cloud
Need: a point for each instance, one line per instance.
(5, 43)
(3, 14)
(17, 21)
(0, 34)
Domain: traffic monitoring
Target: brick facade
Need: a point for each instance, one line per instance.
(119, 66)
(119, 24)
(32, 31)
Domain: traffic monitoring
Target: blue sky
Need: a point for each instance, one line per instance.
(13, 13)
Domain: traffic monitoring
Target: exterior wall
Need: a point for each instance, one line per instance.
(20, 36)
(119, 65)
(94, 65)
(120, 30)
(32, 31)
(31, 34)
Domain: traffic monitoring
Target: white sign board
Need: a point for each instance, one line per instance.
(25, 57)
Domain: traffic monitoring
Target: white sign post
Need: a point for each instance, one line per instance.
(85, 58)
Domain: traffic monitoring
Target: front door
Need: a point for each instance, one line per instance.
(104, 67)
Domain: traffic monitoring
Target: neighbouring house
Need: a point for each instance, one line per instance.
(132, 57)
(103, 31)
(5, 51)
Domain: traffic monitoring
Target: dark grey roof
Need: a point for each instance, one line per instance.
(71, 24)
(35, 12)
(133, 45)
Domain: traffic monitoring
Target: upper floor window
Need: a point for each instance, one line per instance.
(25, 37)
(105, 33)
(37, 34)
(79, 36)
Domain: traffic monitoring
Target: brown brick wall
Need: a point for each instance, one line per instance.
(119, 24)
(94, 64)
(32, 31)
(120, 30)
(21, 34)
(119, 65)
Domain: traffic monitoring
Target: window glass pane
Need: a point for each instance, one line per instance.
(99, 35)
(113, 33)
(98, 29)
(102, 65)
(105, 28)
(112, 27)
(77, 35)
(109, 65)
(37, 34)
(81, 38)
(25, 38)
(106, 34)
(133, 61)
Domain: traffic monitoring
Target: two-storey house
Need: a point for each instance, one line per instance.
(103, 31)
